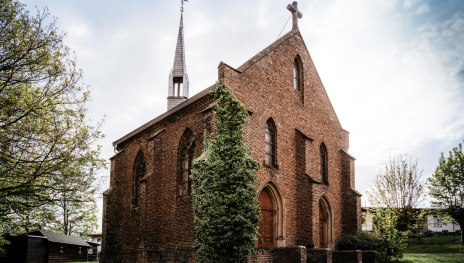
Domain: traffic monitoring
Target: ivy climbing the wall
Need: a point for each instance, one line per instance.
(226, 210)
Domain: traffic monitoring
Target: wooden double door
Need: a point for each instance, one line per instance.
(266, 225)
(323, 225)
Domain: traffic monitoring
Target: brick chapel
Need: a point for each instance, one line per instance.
(306, 178)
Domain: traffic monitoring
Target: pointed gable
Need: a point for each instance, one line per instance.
(271, 73)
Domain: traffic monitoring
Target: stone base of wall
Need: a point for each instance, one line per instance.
(261, 255)
(179, 255)
(317, 255)
(296, 254)
(347, 256)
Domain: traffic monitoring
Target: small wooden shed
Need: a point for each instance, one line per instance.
(46, 247)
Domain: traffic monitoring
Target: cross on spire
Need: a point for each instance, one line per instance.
(182, 5)
(293, 8)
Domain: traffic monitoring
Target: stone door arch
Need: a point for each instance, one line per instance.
(325, 224)
(271, 226)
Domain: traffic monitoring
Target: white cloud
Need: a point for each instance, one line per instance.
(390, 87)
(409, 3)
(423, 9)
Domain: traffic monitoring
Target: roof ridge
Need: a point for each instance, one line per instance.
(253, 60)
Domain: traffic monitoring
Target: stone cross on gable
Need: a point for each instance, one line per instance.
(182, 5)
(295, 14)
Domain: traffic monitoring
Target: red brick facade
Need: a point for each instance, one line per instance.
(308, 211)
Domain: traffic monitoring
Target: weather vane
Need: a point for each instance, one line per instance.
(182, 5)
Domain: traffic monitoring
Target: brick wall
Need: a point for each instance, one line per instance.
(161, 219)
(264, 85)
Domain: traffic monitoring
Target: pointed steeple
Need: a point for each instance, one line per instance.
(178, 79)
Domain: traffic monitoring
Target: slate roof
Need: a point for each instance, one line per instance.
(178, 69)
(60, 238)
(184, 104)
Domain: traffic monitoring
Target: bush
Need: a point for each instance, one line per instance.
(366, 241)
(362, 241)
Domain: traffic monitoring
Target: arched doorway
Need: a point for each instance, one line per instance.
(266, 225)
(271, 227)
(325, 224)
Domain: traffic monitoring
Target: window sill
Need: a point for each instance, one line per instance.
(314, 181)
(271, 167)
(143, 179)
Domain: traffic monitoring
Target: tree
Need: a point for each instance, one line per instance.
(75, 208)
(399, 186)
(226, 211)
(73, 212)
(24, 220)
(446, 185)
(44, 134)
(385, 224)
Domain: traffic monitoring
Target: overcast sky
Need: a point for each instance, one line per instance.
(394, 70)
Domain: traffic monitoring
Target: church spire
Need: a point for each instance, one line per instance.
(178, 79)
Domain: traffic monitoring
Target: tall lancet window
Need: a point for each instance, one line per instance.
(139, 173)
(186, 151)
(324, 164)
(297, 73)
(270, 144)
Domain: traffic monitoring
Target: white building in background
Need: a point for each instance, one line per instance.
(435, 222)
(367, 221)
(95, 240)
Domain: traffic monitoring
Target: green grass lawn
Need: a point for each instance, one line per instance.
(439, 249)
(433, 258)
(438, 244)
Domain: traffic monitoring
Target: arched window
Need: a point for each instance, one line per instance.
(186, 151)
(298, 73)
(270, 144)
(139, 173)
(324, 163)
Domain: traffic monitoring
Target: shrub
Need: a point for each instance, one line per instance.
(366, 241)
(362, 241)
